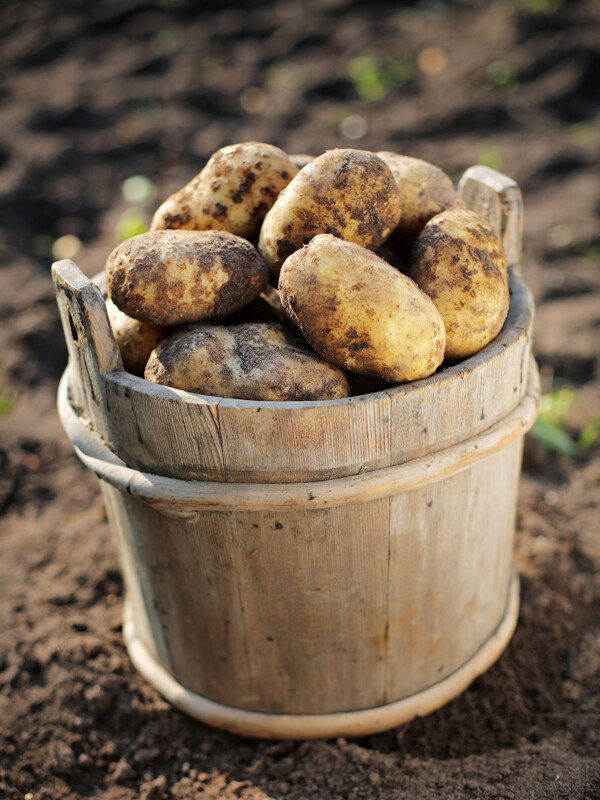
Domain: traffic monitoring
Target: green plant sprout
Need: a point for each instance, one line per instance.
(373, 80)
(591, 252)
(131, 223)
(501, 74)
(7, 401)
(549, 428)
(539, 6)
(589, 435)
(489, 155)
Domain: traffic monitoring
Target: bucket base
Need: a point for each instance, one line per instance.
(318, 726)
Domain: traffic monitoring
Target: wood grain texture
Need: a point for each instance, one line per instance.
(195, 600)
(331, 610)
(265, 613)
(497, 198)
(450, 569)
(165, 431)
(313, 588)
(92, 347)
(196, 437)
(320, 726)
(124, 519)
(310, 441)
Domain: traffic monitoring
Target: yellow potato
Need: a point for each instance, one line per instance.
(172, 277)
(234, 191)
(351, 194)
(255, 361)
(136, 339)
(459, 261)
(425, 191)
(360, 313)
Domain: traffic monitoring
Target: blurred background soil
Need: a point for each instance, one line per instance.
(95, 93)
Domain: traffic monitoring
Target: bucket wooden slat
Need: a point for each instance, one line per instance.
(447, 605)
(148, 420)
(92, 348)
(125, 527)
(299, 577)
(314, 443)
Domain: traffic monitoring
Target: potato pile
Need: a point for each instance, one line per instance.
(382, 273)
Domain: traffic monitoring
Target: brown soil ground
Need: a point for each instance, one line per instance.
(93, 93)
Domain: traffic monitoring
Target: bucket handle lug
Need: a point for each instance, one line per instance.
(498, 199)
(93, 351)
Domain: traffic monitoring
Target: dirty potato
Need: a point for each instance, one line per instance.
(173, 277)
(234, 191)
(459, 261)
(351, 194)
(360, 313)
(255, 361)
(425, 191)
(136, 339)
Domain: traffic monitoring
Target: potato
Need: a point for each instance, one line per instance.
(425, 191)
(360, 313)
(172, 277)
(255, 361)
(234, 191)
(136, 339)
(351, 194)
(459, 261)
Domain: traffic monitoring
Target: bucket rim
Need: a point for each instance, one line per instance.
(518, 321)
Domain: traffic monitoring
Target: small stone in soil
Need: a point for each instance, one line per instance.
(64, 758)
(121, 772)
(154, 790)
(146, 754)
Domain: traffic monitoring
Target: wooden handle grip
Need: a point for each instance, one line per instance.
(497, 198)
(93, 351)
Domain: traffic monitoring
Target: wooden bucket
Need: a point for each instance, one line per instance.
(311, 569)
